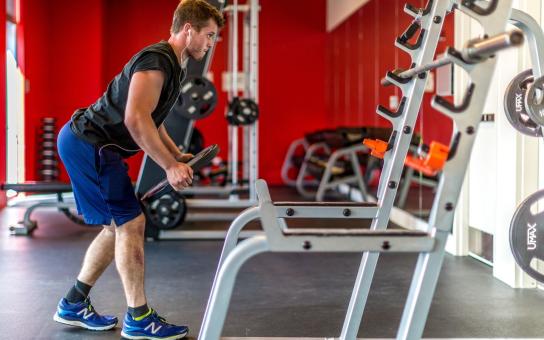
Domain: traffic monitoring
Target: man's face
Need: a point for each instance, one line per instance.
(201, 42)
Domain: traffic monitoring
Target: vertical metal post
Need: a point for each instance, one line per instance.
(233, 67)
(254, 94)
(393, 161)
(246, 131)
(188, 135)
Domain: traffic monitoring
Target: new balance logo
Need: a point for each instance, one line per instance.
(86, 313)
(153, 329)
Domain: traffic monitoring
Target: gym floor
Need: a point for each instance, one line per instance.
(276, 295)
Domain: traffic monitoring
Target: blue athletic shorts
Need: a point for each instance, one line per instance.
(102, 188)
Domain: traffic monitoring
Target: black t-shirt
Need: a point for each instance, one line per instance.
(102, 123)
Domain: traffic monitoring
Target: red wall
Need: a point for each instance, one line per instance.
(292, 98)
(62, 62)
(74, 48)
(293, 69)
(309, 79)
(361, 52)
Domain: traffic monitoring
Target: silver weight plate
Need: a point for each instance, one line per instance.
(514, 105)
(526, 234)
(534, 101)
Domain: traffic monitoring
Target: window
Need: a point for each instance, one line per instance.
(14, 98)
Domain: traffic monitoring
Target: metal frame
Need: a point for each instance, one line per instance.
(431, 244)
(301, 182)
(250, 54)
(62, 199)
(288, 160)
(534, 36)
(27, 225)
(327, 181)
(410, 177)
(278, 238)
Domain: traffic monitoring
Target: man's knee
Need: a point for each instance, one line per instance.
(109, 229)
(136, 225)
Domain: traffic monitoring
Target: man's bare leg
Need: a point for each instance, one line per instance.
(75, 309)
(129, 257)
(99, 256)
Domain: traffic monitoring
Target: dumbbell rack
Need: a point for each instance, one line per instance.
(278, 237)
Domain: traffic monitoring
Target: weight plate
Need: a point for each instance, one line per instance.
(166, 211)
(526, 232)
(197, 100)
(48, 144)
(48, 136)
(52, 162)
(534, 101)
(242, 111)
(200, 160)
(514, 105)
(49, 172)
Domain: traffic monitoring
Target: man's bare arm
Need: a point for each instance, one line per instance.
(143, 96)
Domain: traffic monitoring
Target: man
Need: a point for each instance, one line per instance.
(128, 118)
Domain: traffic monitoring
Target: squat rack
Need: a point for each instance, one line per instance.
(430, 245)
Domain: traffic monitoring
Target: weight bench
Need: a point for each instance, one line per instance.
(27, 225)
(348, 156)
(294, 157)
(344, 155)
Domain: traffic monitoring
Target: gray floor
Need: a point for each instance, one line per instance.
(276, 295)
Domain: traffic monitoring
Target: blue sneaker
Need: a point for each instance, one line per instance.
(151, 326)
(82, 314)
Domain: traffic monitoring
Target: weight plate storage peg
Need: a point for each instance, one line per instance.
(534, 101)
(198, 98)
(166, 211)
(514, 105)
(526, 234)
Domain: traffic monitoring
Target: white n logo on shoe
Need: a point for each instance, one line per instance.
(153, 329)
(86, 313)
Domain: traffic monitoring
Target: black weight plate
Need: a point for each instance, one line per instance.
(166, 211)
(198, 98)
(534, 101)
(514, 105)
(242, 111)
(52, 162)
(48, 136)
(200, 160)
(526, 233)
(49, 145)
